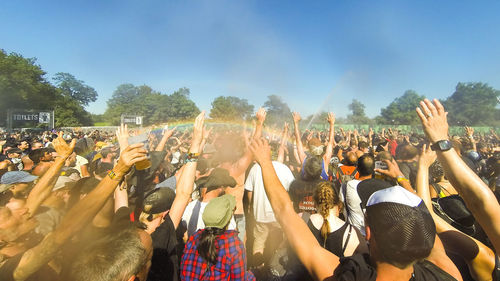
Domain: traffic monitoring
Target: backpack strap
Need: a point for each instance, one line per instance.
(346, 241)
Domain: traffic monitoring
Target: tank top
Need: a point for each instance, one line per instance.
(333, 239)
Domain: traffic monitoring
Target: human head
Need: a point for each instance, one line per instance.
(366, 165)
(36, 144)
(117, 257)
(218, 179)
(16, 181)
(219, 211)
(312, 168)
(399, 227)
(406, 152)
(14, 153)
(326, 198)
(315, 146)
(364, 146)
(351, 158)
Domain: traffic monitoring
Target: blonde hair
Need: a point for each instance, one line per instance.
(326, 198)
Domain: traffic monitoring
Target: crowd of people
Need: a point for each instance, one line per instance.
(238, 203)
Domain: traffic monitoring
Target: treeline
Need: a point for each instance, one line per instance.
(23, 85)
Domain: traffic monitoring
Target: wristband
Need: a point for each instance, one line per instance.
(400, 179)
(113, 176)
(192, 157)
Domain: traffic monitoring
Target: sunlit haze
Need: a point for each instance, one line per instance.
(303, 51)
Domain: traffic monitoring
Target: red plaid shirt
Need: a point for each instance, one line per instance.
(231, 260)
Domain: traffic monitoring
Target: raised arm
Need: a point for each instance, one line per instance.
(78, 216)
(331, 140)
(281, 149)
(318, 261)
(469, 132)
(479, 258)
(186, 180)
(479, 198)
(166, 135)
(43, 188)
(298, 140)
(246, 159)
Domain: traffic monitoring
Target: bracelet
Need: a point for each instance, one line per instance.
(192, 157)
(400, 179)
(113, 176)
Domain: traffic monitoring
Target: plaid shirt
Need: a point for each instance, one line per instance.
(231, 260)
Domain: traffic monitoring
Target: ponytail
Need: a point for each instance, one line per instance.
(206, 244)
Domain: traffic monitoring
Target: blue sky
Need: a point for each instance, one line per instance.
(315, 54)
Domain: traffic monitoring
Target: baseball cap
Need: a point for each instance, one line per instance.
(14, 150)
(219, 177)
(63, 181)
(158, 200)
(401, 225)
(219, 211)
(16, 177)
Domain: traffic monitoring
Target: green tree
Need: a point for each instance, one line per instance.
(277, 111)
(23, 86)
(231, 108)
(358, 115)
(401, 110)
(74, 88)
(473, 104)
(154, 106)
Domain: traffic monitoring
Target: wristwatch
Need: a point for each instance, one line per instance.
(442, 145)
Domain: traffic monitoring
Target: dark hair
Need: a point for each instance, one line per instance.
(436, 171)
(116, 257)
(366, 165)
(206, 244)
(312, 168)
(406, 152)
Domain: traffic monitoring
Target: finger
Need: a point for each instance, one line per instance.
(72, 144)
(133, 146)
(439, 106)
(431, 107)
(137, 159)
(421, 115)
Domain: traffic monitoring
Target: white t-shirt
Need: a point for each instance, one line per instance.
(80, 161)
(188, 212)
(355, 216)
(262, 209)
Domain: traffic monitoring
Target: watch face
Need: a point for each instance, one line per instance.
(443, 145)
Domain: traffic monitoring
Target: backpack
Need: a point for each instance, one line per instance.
(345, 178)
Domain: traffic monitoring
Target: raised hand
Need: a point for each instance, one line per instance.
(122, 136)
(331, 118)
(261, 150)
(198, 128)
(129, 156)
(168, 133)
(433, 118)
(469, 131)
(427, 156)
(392, 169)
(62, 148)
(296, 117)
(261, 115)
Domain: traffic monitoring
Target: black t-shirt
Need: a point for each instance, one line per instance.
(301, 193)
(165, 261)
(358, 267)
(367, 187)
